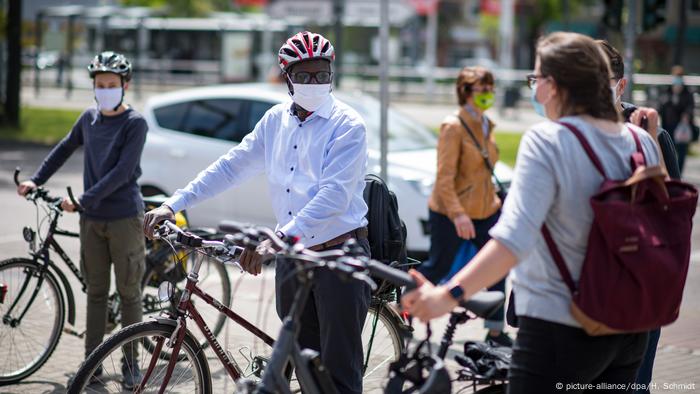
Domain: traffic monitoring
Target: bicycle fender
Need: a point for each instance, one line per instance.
(165, 320)
(68, 290)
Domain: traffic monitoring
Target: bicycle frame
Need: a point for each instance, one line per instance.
(186, 308)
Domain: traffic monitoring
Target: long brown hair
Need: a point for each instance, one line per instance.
(581, 71)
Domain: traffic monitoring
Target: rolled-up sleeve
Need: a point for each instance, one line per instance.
(530, 197)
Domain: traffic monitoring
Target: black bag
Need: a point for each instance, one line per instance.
(485, 362)
(387, 232)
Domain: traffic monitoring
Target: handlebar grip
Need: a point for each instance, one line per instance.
(78, 207)
(393, 275)
(16, 176)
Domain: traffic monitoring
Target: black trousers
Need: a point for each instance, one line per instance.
(444, 244)
(332, 320)
(551, 358)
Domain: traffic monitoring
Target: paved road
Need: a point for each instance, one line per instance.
(678, 360)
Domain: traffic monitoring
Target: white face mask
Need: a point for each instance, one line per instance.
(310, 96)
(108, 99)
(615, 97)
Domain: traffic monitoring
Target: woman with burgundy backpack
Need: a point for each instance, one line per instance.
(598, 239)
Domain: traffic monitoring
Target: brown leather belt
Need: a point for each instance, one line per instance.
(358, 233)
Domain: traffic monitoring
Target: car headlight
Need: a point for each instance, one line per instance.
(422, 186)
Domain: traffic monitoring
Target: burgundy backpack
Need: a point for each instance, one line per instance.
(638, 251)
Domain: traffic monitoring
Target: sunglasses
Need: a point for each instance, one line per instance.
(305, 77)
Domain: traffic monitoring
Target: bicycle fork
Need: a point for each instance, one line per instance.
(14, 322)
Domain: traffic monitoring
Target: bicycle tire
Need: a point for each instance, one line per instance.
(57, 318)
(83, 381)
(213, 317)
(389, 348)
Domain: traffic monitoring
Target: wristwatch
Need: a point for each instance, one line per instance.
(457, 292)
(281, 235)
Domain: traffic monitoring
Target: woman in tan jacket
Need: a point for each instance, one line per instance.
(464, 204)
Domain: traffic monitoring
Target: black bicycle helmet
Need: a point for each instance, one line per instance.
(110, 62)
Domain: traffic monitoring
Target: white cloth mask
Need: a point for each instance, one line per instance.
(108, 99)
(310, 96)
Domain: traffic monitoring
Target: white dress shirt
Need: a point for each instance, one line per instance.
(315, 170)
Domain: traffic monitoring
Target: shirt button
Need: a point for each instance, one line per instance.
(295, 146)
(287, 190)
(313, 236)
(291, 169)
(299, 124)
(290, 213)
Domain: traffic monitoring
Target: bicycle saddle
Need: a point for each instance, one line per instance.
(484, 303)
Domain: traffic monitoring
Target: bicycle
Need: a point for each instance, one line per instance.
(425, 372)
(38, 300)
(170, 333)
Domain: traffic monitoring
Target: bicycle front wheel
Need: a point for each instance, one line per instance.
(382, 344)
(32, 313)
(122, 355)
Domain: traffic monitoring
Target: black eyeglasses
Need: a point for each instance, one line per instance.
(532, 80)
(305, 77)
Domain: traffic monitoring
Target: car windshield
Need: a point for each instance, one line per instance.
(404, 133)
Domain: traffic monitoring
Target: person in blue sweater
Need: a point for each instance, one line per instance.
(113, 135)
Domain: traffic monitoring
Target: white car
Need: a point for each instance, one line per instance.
(189, 129)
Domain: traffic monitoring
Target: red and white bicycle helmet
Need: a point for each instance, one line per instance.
(304, 46)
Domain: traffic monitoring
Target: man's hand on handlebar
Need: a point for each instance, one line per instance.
(155, 217)
(25, 188)
(251, 260)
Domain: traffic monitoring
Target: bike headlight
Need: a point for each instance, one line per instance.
(165, 291)
(28, 234)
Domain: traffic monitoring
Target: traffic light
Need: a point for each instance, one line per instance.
(612, 18)
(653, 14)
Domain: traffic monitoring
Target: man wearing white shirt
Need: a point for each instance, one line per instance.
(313, 151)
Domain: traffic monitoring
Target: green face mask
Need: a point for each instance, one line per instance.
(484, 100)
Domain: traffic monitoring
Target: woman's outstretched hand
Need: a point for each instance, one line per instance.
(427, 301)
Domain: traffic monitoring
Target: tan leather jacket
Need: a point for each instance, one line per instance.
(463, 184)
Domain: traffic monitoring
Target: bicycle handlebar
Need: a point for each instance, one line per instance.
(76, 204)
(375, 268)
(43, 194)
(392, 275)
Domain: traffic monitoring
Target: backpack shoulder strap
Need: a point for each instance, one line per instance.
(558, 259)
(586, 147)
(637, 159)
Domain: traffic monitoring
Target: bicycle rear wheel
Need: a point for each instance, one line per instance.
(28, 341)
(103, 370)
(382, 344)
(166, 265)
